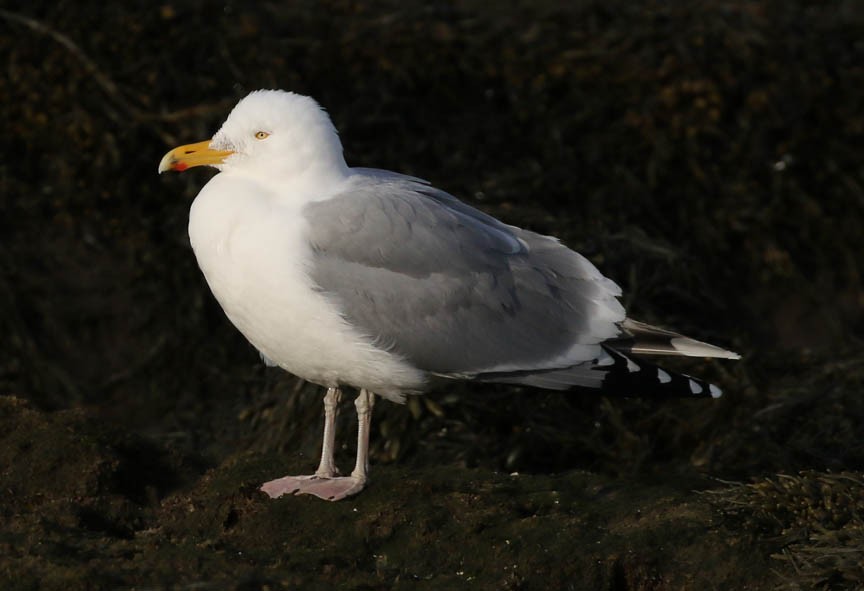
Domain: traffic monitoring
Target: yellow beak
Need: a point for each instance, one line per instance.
(200, 154)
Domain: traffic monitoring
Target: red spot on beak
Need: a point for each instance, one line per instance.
(180, 166)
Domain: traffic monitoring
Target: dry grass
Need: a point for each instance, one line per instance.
(813, 522)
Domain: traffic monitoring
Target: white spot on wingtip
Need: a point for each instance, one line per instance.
(715, 391)
(664, 377)
(604, 360)
(695, 387)
(632, 367)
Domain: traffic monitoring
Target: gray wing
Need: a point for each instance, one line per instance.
(453, 290)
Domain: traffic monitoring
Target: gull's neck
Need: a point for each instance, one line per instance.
(318, 182)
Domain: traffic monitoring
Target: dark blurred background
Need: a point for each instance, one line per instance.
(706, 157)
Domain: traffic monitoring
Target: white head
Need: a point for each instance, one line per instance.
(281, 135)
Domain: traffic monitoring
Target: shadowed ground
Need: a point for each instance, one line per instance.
(704, 159)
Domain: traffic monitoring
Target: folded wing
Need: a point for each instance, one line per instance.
(451, 289)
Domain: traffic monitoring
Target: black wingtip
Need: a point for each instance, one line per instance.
(633, 377)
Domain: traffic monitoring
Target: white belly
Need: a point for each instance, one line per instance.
(252, 250)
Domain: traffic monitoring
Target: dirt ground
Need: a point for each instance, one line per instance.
(704, 158)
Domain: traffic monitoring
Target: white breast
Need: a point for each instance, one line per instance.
(253, 250)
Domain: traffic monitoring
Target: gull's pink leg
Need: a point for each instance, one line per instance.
(327, 467)
(324, 483)
(364, 404)
(335, 489)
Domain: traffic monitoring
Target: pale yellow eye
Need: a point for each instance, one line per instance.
(261, 135)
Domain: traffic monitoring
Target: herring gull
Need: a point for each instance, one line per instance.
(364, 278)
